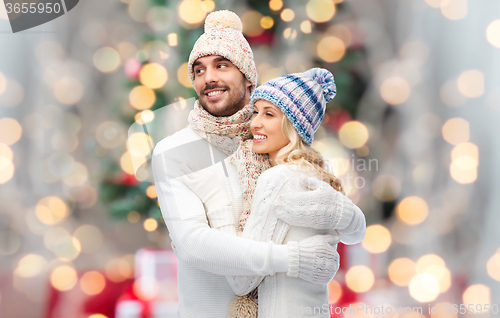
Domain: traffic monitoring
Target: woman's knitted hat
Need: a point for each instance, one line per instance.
(302, 97)
(223, 36)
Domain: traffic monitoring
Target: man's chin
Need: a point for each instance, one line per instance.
(215, 108)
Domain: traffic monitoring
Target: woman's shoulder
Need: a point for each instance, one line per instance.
(282, 172)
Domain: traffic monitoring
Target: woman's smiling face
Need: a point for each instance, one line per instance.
(266, 129)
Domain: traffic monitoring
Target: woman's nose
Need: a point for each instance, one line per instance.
(255, 123)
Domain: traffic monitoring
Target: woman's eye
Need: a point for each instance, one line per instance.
(269, 114)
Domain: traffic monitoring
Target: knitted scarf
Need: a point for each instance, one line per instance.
(232, 136)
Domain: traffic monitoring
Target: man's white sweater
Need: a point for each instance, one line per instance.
(205, 255)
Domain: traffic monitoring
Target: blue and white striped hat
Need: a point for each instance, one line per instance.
(302, 97)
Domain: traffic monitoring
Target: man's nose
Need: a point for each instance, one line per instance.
(211, 75)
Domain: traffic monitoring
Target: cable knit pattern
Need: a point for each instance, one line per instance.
(287, 295)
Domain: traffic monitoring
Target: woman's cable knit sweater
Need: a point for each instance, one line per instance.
(286, 187)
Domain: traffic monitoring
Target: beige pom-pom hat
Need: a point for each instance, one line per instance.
(223, 36)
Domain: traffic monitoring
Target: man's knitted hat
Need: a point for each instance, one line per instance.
(302, 97)
(223, 36)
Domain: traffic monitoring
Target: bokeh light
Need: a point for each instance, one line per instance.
(6, 170)
(493, 33)
(306, 26)
(51, 210)
(6, 152)
(3, 83)
(377, 239)
(10, 131)
(12, 95)
(92, 283)
(90, 237)
(359, 278)
(31, 265)
(118, 270)
(442, 275)
(172, 39)
(478, 294)
(290, 33)
(183, 75)
(424, 288)
(150, 224)
(320, 10)
(471, 83)
(450, 95)
(151, 192)
(334, 291)
(456, 130)
(266, 22)
(107, 60)
(251, 21)
(142, 97)
(454, 9)
(68, 90)
(427, 261)
(412, 210)
(401, 271)
(287, 15)
(353, 134)
(493, 266)
(275, 5)
(331, 49)
(395, 90)
(140, 144)
(153, 75)
(192, 11)
(78, 176)
(63, 277)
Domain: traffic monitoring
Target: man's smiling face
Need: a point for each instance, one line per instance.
(221, 88)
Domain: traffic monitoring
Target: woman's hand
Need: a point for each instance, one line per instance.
(208, 185)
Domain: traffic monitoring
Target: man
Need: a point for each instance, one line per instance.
(223, 73)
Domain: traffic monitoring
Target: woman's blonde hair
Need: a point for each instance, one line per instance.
(299, 153)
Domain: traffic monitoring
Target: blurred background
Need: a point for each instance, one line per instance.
(413, 133)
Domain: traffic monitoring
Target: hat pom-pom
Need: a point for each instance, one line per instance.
(243, 307)
(223, 19)
(325, 79)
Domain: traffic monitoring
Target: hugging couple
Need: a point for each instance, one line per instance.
(252, 210)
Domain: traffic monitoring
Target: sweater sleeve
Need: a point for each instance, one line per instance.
(196, 243)
(355, 228)
(262, 225)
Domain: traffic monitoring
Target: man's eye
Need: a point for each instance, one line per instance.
(222, 65)
(198, 71)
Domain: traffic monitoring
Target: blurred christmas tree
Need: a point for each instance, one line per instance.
(317, 33)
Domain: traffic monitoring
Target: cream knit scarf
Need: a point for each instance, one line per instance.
(232, 136)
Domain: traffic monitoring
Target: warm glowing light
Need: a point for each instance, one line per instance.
(353, 134)
(306, 26)
(51, 210)
(6, 170)
(395, 90)
(191, 11)
(92, 283)
(118, 270)
(133, 216)
(331, 49)
(31, 265)
(424, 287)
(78, 176)
(454, 9)
(97, 316)
(139, 144)
(266, 22)
(377, 239)
(142, 97)
(456, 130)
(3, 83)
(275, 5)
(412, 210)
(251, 23)
(359, 278)
(386, 188)
(153, 75)
(10, 131)
(146, 116)
(450, 95)
(476, 295)
(208, 5)
(68, 90)
(427, 261)
(290, 33)
(150, 224)
(68, 249)
(107, 60)
(151, 192)
(438, 310)
(320, 10)
(492, 34)
(90, 237)
(287, 15)
(172, 39)
(471, 83)
(334, 291)
(63, 278)
(183, 75)
(493, 267)
(6, 152)
(463, 170)
(434, 3)
(443, 276)
(401, 271)
(126, 163)
(467, 152)
(110, 134)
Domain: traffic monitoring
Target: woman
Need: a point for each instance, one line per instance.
(293, 180)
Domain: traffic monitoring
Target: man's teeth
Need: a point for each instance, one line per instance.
(259, 137)
(211, 94)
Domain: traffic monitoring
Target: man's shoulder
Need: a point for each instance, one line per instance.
(180, 138)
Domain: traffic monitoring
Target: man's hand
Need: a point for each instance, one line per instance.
(314, 259)
(208, 185)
